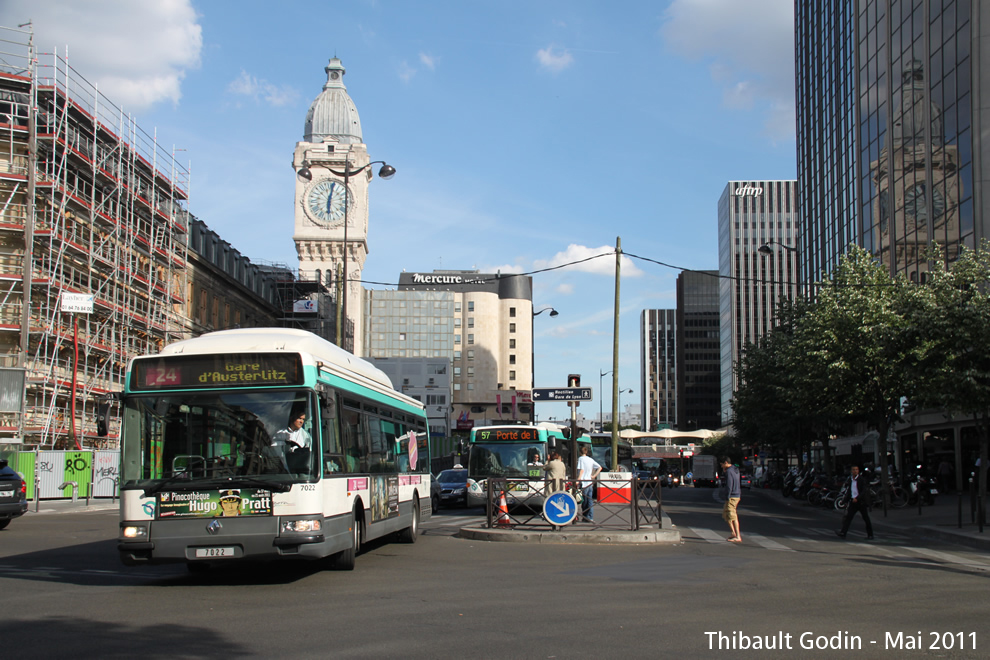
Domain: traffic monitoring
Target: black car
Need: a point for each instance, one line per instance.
(453, 487)
(13, 494)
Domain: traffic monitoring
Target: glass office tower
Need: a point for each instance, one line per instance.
(891, 98)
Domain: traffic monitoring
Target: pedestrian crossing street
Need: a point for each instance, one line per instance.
(895, 547)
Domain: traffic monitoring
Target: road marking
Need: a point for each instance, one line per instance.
(823, 532)
(952, 559)
(708, 535)
(769, 544)
(879, 550)
(801, 539)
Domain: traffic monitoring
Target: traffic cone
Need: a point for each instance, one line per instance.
(503, 519)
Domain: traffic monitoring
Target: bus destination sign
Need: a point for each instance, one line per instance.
(507, 434)
(202, 371)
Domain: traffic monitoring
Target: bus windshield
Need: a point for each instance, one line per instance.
(190, 437)
(513, 460)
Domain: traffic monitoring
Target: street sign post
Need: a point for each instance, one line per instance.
(562, 394)
(560, 508)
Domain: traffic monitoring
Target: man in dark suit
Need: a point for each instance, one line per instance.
(859, 501)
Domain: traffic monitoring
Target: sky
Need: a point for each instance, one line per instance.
(526, 135)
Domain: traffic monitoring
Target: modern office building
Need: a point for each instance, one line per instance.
(893, 109)
(658, 366)
(752, 283)
(893, 101)
(698, 360)
(482, 323)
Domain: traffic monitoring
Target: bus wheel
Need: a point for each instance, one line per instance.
(409, 534)
(345, 560)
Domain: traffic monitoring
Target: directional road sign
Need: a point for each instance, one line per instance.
(560, 508)
(562, 394)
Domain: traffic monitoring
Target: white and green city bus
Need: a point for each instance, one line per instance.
(512, 451)
(214, 469)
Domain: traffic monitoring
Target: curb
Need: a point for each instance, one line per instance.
(669, 535)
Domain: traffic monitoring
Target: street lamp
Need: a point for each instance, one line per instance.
(386, 172)
(601, 391)
(532, 356)
(621, 392)
(766, 250)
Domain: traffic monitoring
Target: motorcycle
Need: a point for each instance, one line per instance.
(921, 486)
(788, 486)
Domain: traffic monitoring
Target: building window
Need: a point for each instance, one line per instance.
(512, 343)
(512, 327)
(457, 355)
(512, 375)
(512, 312)
(402, 336)
(512, 358)
(470, 339)
(457, 322)
(470, 355)
(470, 371)
(457, 372)
(457, 339)
(470, 305)
(470, 321)
(470, 386)
(457, 387)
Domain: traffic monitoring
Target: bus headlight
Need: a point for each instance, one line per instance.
(301, 525)
(134, 531)
(474, 487)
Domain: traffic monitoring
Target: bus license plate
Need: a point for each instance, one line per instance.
(214, 552)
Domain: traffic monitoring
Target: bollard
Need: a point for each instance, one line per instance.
(89, 492)
(972, 502)
(75, 489)
(37, 494)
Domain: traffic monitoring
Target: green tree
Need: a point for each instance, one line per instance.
(856, 338)
(951, 357)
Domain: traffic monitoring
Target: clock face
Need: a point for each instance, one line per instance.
(325, 200)
(914, 203)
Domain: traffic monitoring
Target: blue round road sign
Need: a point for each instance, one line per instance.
(560, 508)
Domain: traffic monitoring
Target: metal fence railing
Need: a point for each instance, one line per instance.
(619, 504)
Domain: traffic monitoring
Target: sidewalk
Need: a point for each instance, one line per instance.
(68, 506)
(937, 521)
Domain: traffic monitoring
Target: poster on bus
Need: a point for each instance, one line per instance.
(224, 503)
(384, 497)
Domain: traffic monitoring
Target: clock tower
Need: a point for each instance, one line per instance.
(331, 199)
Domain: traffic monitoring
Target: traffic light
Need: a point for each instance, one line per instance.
(574, 380)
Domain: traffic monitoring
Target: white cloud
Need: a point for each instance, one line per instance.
(750, 47)
(406, 72)
(260, 89)
(137, 53)
(553, 59)
(565, 289)
(598, 261)
(428, 61)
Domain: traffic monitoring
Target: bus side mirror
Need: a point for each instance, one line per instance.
(103, 415)
(566, 432)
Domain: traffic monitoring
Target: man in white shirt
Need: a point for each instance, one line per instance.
(587, 469)
(294, 441)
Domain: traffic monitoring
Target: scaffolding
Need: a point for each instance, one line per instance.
(89, 204)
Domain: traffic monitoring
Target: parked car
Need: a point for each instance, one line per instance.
(453, 487)
(745, 481)
(13, 494)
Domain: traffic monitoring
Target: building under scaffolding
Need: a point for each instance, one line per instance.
(89, 204)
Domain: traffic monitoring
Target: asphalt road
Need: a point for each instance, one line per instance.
(64, 593)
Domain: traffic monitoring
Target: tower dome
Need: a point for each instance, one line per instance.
(333, 113)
